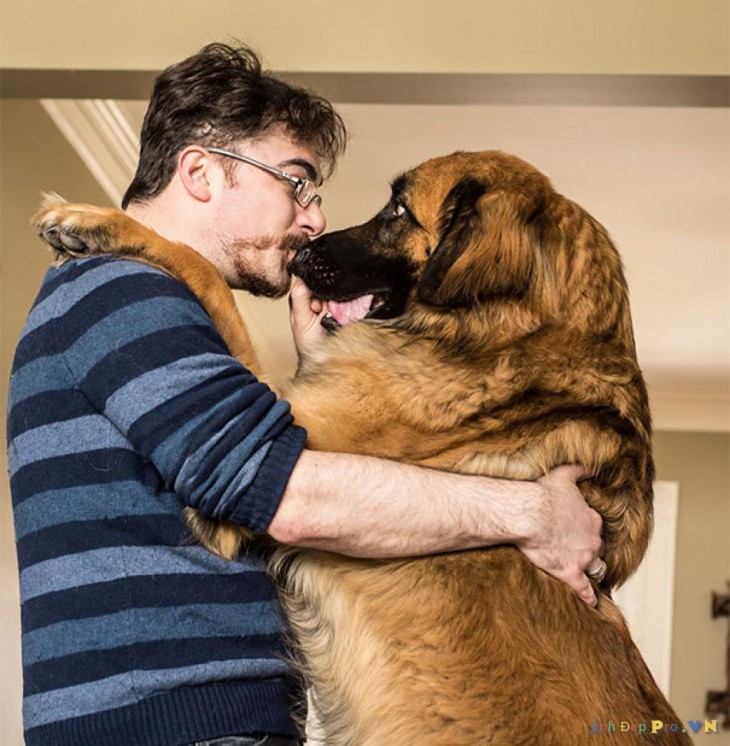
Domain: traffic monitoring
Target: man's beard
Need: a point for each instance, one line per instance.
(248, 276)
(261, 286)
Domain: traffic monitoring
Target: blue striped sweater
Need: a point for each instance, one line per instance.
(124, 406)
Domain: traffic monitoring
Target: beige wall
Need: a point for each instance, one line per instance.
(32, 153)
(561, 36)
(700, 463)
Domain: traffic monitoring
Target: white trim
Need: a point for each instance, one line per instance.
(98, 131)
(647, 599)
(690, 411)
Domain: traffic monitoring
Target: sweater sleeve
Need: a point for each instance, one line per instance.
(144, 352)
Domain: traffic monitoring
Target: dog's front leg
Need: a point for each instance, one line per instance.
(79, 230)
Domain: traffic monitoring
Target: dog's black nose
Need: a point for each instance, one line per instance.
(302, 255)
(300, 261)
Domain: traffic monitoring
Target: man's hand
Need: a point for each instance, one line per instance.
(305, 316)
(564, 533)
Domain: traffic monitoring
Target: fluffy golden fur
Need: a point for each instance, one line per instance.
(500, 342)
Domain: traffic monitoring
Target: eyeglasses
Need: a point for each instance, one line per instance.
(305, 191)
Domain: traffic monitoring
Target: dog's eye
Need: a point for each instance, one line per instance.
(394, 213)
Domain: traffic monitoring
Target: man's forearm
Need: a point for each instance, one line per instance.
(368, 507)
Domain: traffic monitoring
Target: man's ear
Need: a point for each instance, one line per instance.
(194, 169)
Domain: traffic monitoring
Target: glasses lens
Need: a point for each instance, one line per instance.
(306, 192)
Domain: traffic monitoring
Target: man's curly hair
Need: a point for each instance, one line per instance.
(221, 95)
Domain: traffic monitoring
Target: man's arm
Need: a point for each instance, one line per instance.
(369, 507)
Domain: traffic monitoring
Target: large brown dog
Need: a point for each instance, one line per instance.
(497, 341)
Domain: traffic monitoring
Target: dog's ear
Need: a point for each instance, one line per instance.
(459, 225)
(485, 247)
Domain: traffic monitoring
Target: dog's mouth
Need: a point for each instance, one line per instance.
(346, 311)
(356, 286)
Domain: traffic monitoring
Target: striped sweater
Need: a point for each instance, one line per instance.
(124, 407)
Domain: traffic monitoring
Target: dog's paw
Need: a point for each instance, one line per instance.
(222, 539)
(73, 230)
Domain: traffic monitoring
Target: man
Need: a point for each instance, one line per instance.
(125, 406)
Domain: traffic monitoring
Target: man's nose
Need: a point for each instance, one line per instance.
(311, 219)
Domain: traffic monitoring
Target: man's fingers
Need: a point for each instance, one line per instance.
(573, 472)
(585, 591)
(305, 316)
(299, 296)
(301, 301)
(597, 544)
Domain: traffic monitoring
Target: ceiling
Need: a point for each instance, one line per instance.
(657, 177)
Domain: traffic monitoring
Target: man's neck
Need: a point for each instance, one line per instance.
(169, 221)
(154, 215)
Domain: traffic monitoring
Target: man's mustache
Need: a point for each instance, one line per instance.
(293, 243)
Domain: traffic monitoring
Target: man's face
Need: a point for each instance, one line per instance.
(259, 225)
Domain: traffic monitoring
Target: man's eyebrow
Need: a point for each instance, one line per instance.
(309, 169)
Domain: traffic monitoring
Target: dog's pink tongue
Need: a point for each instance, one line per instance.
(352, 310)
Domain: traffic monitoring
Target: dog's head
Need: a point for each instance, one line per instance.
(472, 231)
